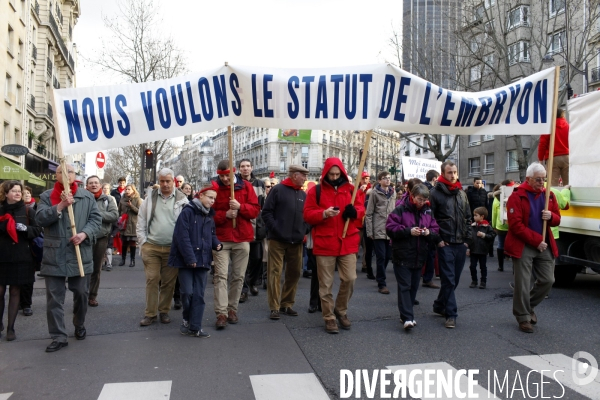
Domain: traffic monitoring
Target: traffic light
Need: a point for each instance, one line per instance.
(149, 159)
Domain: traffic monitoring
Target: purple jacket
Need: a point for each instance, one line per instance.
(407, 250)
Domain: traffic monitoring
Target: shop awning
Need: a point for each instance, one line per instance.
(11, 171)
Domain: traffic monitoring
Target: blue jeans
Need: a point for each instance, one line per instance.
(451, 259)
(408, 284)
(383, 254)
(429, 266)
(192, 284)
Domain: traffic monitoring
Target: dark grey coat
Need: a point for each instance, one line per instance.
(59, 255)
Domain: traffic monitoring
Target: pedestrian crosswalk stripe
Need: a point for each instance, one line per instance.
(5, 396)
(295, 386)
(482, 392)
(158, 390)
(560, 368)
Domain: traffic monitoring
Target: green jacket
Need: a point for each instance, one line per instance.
(563, 198)
(107, 207)
(59, 255)
(497, 222)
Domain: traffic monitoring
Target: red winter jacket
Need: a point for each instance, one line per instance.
(519, 233)
(249, 209)
(561, 141)
(327, 233)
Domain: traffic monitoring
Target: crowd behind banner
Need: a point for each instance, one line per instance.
(427, 229)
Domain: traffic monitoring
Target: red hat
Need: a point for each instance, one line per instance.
(272, 174)
(365, 174)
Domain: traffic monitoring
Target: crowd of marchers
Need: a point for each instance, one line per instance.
(267, 229)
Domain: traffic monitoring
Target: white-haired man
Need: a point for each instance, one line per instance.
(156, 222)
(532, 254)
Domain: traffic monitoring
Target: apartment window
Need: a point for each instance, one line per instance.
(489, 3)
(476, 42)
(304, 151)
(448, 144)
(474, 166)
(20, 54)
(283, 151)
(305, 163)
(512, 161)
(518, 16)
(488, 65)
(518, 52)
(17, 136)
(474, 140)
(7, 88)
(475, 73)
(488, 28)
(478, 12)
(556, 42)
(6, 133)
(556, 7)
(487, 138)
(282, 166)
(10, 40)
(489, 164)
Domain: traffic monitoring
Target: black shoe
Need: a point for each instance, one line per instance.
(243, 297)
(312, 309)
(27, 311)
(80, 333)
(371, 277)
(122, 262)
(265, 284)
(439, 311)
(56, 346)
(500, 269)
(253, 290)
(177, 305)
(416, 302)
(132, 263)
(307, 274)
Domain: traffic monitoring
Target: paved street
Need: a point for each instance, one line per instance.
(294, 357)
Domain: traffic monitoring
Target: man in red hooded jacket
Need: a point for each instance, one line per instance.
(531, 253)
(560, 165)
(327, 208)
(243, 208)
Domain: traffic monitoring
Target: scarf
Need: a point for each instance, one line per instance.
(120, 189)
(201, 207)
(288, 182)
(57, 191)
(97, 194)
(32, 201)
(337, 182)
(451, 186)
(11, 226)
(484, 222)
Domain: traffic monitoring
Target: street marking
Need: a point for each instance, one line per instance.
(5, 396)
(294, 386)
(158, 390)
(482, 392)
(560, 368)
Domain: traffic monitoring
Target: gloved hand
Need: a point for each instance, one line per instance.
(349, 212)
(21, 227)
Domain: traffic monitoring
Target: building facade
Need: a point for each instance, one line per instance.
(41, 56)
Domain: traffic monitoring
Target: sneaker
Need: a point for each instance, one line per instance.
(450, 323)
(199, 334)
(431, 285)
(108, 268)
(408, 325)
(185, 327)
(482, 285)
(473, 284)
(414, 322)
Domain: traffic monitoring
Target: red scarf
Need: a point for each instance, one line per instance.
(32, 201)
(121, 189)
(484, 222)
(451, 186)
(288, 182)
(97, 194)
(58, 189)
(525, 185)
(11, 227)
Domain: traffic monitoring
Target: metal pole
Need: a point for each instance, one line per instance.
(142, 174)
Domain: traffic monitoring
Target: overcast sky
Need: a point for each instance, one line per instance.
(277, 33)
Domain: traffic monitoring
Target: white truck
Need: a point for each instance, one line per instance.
(579, 241)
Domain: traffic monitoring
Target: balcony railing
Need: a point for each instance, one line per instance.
(595, 74)
(488, 170)
(32, 101)
(474, 172)
(59, 40)
(33, 52)
(50, 110)
(324, 141)
(49, 65)
(55, 83)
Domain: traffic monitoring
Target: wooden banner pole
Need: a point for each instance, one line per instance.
(361, 167)
(550, 163)
(231, 173)
(65, 179)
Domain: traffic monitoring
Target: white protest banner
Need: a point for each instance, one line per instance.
(352, 98)
(417, 167)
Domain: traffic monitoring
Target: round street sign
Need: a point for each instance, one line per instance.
(15, 149)
(100, 160)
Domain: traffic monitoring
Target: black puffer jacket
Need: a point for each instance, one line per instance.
(452, 213)
(477, 198)
(283, 214)
(482, 245)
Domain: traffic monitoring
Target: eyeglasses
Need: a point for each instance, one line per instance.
(539, 180)
(386, 178)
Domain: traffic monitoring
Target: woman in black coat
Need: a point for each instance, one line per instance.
(17, 228)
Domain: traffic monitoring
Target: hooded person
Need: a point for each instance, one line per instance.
(328, 207)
